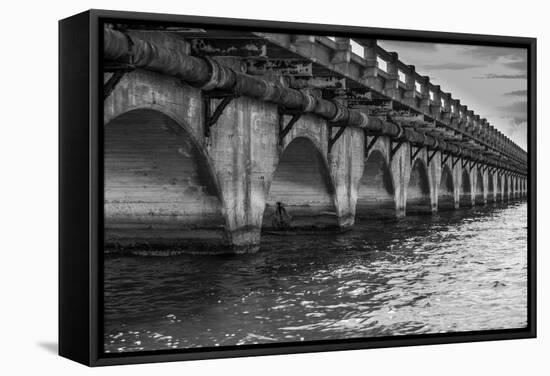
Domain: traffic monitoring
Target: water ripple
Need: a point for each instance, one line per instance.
(451, 272)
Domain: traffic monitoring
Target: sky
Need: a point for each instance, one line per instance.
(491, 81)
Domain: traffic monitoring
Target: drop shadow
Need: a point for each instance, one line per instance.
(50, 347)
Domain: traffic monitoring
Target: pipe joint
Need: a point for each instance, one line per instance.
(215, 73)
(309, 101)
(400, 132)
(363, 121)
(435, 144)
(342, 113)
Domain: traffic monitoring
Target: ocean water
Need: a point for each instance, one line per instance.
(454, 271)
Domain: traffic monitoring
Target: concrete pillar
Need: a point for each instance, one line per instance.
(496, 188)
(491, 188)
(456, 181)
(434, 175)
(506, 187)
(502, 178)
(244, 149)
(400, 170)
(522, 188)
(485, 176)
(346, 163)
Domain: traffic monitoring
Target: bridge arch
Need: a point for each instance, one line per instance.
(446, 199)
(376, 192)
(160, 189)
(418, 189)
(465, 190)
(142, 89)
(303, 186)
(479, 195)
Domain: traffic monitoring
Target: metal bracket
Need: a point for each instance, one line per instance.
(430, 157)
(485, 168)
(210, 118)
(111, 83)
(332, 140)
(395, 148)
(284, 129)
(445, 159)
(464, 163)
(369, 146)
(454, 162)
(472, 164)
(414, 154)
(118, 70)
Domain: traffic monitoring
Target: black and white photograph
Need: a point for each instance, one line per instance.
(246, 188)
(267, 188)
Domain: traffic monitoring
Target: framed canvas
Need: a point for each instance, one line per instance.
(239, 187)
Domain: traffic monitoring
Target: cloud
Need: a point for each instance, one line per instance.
(451, 66)
(492, 76)
(520, 65)
(520, 106)
(496, 53)
(515, 130)
(394, 45)
(518, 134)
(516, 111)
(516, 93)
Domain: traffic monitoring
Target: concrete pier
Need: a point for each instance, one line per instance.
(176, 179)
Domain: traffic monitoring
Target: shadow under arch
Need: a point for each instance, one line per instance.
(491, 195)
(301, 194)
(446, 199)
(160, 191)
(479, 200)
(465, 190)
(375, 194)
(418, 190)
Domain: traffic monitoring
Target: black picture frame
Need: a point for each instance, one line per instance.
(81, 189)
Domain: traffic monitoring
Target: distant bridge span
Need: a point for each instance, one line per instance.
(206, 133)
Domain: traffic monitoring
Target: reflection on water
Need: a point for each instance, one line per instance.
(457, 271)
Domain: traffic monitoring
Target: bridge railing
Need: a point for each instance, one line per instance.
(391, 77)
(384, 73)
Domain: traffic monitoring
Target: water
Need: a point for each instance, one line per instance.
(458, 271)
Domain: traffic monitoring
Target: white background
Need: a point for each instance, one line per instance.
(28, 189)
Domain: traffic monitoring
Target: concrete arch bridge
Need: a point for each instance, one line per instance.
(210, 138)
